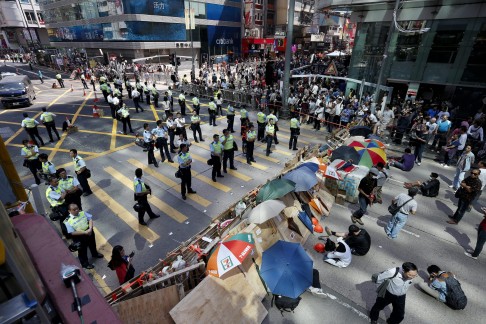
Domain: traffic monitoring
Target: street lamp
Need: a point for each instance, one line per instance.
(190, 24)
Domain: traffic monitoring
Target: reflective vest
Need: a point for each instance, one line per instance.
(195, 119)
(45, 167)
(261, 117)
(251, 135)
(128, 84)
(294, 123)
(53, 202)
(195, 101)
(217, 147)
(136, 182)
(79, 223)
(47, 117)
(229, 143)
(125, 112)
(154, 92)
(231, 111)
(270, 129)
(243, 113)
(102, 79)
(103, 86)
(272, 116)
(212, 105)
(29, 122)
(27, 151)
(116, 92)
(184, 157)
(58, 76)
(182, 97)
(66, 184)
(76, 163)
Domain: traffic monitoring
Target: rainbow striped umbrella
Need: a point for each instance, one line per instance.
(370, 153)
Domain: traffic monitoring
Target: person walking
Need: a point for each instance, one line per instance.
(269, 133)
(480, 240)
(185, 161)
(196, 126)
(79, 225)
(124, 112)
(182, 103)
(243, 117)
(83, 81)
(212, 112)
(93, 82)
(47, 118)
(148, 139)
(219, 104)
(230, 115)
(155, 96)
(161, 134)
(420, 130)
(408, 206)
(30, 126)
(82, 172)
(468, 189)
(399, 280)
(41, 77)
(122, 264)
(261, 118)
(30, 152)
(216, 149)
(60, 80)
(466, 160)
(366, 187)
(250, 143)
(129, 88)
(71, 186)
(228, 150)
(273, 117)
(141, 191)
(136, 100)
(294, 133)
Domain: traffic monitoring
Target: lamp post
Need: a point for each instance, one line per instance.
(288, 57)
(191, 27)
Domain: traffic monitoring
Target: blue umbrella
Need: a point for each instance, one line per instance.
(310, 165)
(303, 177)
(306, 220)
(286, 269)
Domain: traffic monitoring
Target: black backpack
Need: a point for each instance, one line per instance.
(455, 297)
(285, 304)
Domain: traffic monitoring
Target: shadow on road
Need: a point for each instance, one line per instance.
(443, 207)
(461, 238)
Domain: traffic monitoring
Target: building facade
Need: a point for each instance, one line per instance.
(140, 28)
(22, 26)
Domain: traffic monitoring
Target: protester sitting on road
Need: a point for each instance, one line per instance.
(406, 162)
(358, 239)
(428, 188)
(436, 286)
(339, 255)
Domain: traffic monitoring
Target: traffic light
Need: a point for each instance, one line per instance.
(178, 61)
(172, 59)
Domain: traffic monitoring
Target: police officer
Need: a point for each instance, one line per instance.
(196, 126)
(72, 188)
(275, 125)
(261, 119)
(30, 153)
(161, 134)
(104, 89)
(148, 139)
(83, 81)
(171, 99)
(80, 225)
(146, 92)
(128, 86)
(48, 169)
(231, 118)
(81, 172)
(243, 117)
(250, 143)
(141, 191)
(93, 82)
(56, 197)
(59, 79)
(228, 150)
(47, 118)
(185, 160)
(139, 88)
(124, 112)
(30, 126)
(136, 99)
(155, 96)
(294, 133)
(117, 94)
(269, 133)
(212, 112)
(171, 125)
(182, 103)
(216, 148)
(196, 104)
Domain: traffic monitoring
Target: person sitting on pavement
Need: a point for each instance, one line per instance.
(339, 255)
(406, 162)
(428, 188)
(358, 239)
(436, 287)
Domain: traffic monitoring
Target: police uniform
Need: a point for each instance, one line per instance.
(83, 80)
(212, 113)
(216, 149)
(83, 180)
(58, 205)
(275, 120)
(180, 127)
(261, 118)
(136, 100)
(80, 223)
(146, 91)
(59, 79)
(250, 145)
(161, 137)
(243, 117)
(182, 103)
(139, 186)
(269, 133)
(32, 161)
(171, 125)
(124, 112)
(184, 160)
(171, 99)
(73, 191)
(30, 125)
(47, 118)
(48, 169)
(149, 145)
(228, 152)
(104, 89)
(231, 118)
(294, 133)
(196, 127)
(155, 96)
(128, 86)
(196, 105)
(139, 88)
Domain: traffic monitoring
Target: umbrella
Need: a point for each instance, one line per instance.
(345, 153)
(265, 211)
(306, 221)
(370, 153)
(310, 165)
(287, 269)
(379, 143)
(329, 172)
(337, 53)
(360, 131)
(230, 253)
(303, 177)
(275, 189)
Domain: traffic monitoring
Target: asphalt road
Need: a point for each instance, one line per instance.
(426, 239)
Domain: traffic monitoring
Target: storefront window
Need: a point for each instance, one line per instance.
(199, 9)
(475, 70)
(446, 42)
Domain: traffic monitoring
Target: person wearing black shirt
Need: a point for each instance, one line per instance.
(428, 188)
(365, 197)
(358, 239)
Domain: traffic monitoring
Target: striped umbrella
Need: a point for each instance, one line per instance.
(370, 153)
(230, 253)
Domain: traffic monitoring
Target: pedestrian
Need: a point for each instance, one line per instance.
(219, 104)
(41, 77)
(129, 88)
(436, 287)
(83, 81)
(182, 103)
(399, 280)
(82, 172)
(380, 180)
(47, 118)
(161, 134)
(196, 104)
(30, 126)
(185, 161)
(60, 80)
(250, 143)
(141, 191)
(136, 100)
(196, 126)
(55, 195)
(408, 205)
(171, 98)
(216, 149)
(420, 139)
(468, 189)
(440, 133)
(122, 264)
(261, 118)
(365, 197)
(294, 133)
(71, 186)
(30, 152)
(48, 169)
(124, 112)
(93, 82)
(481, 238)
(230, 115)
(80, 225)
(228, 142)
(155, 96)
(269, 133)
(148, 139)
(166, 106)
(319, 116)
(358, 239)
(273, 117)
(464, 164)
(212, 112)
(338, 255)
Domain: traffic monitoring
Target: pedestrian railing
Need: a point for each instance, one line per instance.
(236, 97)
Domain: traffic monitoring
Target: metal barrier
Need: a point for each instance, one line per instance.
(236, 97)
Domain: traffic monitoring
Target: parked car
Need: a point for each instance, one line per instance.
(16, 91)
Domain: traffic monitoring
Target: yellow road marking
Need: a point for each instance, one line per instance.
(123, 213)
(253, 164)
(7, 122)
(162, 206)
(103, 133)
(44, 148)
(106, 249)
(113, 134)
(288, 137)
(171, 183)
(156, 116)
(101, 282)
(301, 134)
(283, 152)
(263, 156)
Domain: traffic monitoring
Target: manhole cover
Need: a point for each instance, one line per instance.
(6, 132)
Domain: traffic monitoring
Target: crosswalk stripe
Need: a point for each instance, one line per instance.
(263, 156)
(253, 164)
(162, 206)
(283, 152)
(169, 182)
(123, 213)
(301, 134)
(280, 135)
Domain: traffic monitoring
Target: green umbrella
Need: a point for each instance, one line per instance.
(275, 189)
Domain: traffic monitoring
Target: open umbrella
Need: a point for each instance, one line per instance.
(275, 189)
(304, 178)
(287, 269)
(304, 218)
(379, 143)
(265, 211)
(370, 153)
(310, 165)
(360, 131)
(345, 153)
(230, 253)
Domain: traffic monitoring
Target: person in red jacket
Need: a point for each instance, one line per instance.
(122, 264)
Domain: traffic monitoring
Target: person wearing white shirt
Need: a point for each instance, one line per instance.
(180, 122)
(431, 128)
(340, 255)
(318, 116)
(475, 131)
(338, 107)
(462, 140)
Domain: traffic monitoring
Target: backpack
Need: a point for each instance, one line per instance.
(455, 297)
(285, 304)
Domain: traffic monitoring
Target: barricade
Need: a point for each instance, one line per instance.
(235, 97)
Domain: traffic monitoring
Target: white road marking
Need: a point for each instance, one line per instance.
(384, 223)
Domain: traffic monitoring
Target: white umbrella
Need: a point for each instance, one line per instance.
(337, 53)
(265, 211)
